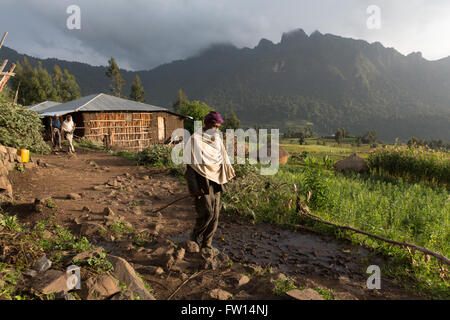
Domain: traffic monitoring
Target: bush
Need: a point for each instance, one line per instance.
(21, 128)
(417, 164)
(157, 155)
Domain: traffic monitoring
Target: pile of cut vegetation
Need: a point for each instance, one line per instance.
(21, 128)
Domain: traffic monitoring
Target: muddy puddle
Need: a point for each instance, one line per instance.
(290, 252)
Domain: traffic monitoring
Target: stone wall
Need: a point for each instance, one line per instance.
(8, 160)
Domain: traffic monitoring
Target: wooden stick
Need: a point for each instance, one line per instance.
(171, 203)
(6, 78)
(438, 256)
(3, 39)
(3, 65)
(186, 281)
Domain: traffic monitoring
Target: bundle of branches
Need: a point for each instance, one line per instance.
(21, 128)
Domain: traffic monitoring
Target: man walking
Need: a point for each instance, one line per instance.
(207, 169)
(56, 133)
(68, 127)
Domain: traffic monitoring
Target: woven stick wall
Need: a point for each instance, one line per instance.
(132, 131)
(127, 130)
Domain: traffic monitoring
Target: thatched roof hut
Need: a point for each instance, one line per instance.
(283, 155)
(352, 163)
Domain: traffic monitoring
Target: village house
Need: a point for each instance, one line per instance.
(126, 124)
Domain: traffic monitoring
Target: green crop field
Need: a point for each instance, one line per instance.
(388, 206)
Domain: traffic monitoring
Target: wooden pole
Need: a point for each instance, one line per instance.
(17, 93)
(6, 78)
(3, 39)
(3, 65)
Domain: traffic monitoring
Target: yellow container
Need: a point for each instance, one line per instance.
(25, 155)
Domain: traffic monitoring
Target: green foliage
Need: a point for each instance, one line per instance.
(21, 128)
(97, 263)
(230, 122)
(195, 109)
(181, 101)
(416, 164)
(283, 285)
(10, 222)
(315, 182)
(137, 90)
(397, 210)
(156, 155)
(37, 85)
(117, 81)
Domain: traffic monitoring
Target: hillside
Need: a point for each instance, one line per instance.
(328, 80)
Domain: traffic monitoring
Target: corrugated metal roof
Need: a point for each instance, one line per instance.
(100, 102)
(39, 107)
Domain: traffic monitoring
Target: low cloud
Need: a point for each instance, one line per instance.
(142, 34)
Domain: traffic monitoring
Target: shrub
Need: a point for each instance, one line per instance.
(156, 155)
(21, 128)
(412, 163)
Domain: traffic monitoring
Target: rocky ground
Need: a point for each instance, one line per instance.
(114, 203)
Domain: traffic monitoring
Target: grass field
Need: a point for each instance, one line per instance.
(390, 207)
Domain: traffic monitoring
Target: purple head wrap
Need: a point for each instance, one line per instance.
(213, 115)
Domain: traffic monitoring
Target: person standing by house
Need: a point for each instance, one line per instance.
(56, 132)
(68, 128)
(207, 169)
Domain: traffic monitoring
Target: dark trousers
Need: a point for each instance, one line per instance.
(207, 205)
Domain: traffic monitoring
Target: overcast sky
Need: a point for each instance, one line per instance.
(141, 34)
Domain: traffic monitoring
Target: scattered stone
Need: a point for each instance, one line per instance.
(29, 165)
(154, 270)
(100, 288)
(242, 295)
(87, 254)
(239, 280)
(30, 273)
(124, 295)
(64, 296)
(90, 228)
(137, 211)
(6, 191)
(281, 276)
(146, 178)
(42, 265)
(47, 234)
(180, 254)
(126, 274)
(98, 188)
(73, 196)
(192, 247)
(184, 276)
(109, 212)
(86, 209)
(52, 281)
(305, 294)
(153, 228)
(219, 294)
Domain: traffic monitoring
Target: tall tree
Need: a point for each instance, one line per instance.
(338, 136)
(45, 90)
(231, 121)
(70, 88)
(182, 100)
(195, 109)
(113, 73)
(137, 91)
(58, 81)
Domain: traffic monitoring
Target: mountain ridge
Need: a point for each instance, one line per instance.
(329, 80)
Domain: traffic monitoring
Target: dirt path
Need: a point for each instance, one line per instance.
(132, 192)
